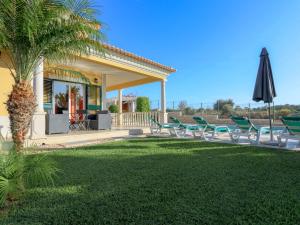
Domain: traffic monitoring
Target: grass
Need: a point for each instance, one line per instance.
(166, 181)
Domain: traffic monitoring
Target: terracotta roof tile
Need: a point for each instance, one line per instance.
(139, 58)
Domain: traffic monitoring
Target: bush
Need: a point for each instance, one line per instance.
(142, 104)
(113, 108)
(284, 112)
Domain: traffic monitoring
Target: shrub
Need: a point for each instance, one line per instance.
(113, 108)
(142, 104)
(19, 172)
(284, 112)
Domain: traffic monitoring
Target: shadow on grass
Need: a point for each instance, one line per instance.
(114, 146)
(198, 186)
(157, 139)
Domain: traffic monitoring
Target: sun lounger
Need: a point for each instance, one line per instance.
(156, 127)
(206, 127)
(182, 130)
(245, 128)
(292, 131)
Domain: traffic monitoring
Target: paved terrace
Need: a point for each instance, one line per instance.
(81, 138)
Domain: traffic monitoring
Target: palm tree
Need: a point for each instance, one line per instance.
(33, 30)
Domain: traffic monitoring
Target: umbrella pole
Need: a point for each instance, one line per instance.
(270, 122)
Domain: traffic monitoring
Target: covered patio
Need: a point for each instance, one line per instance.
(113, 70)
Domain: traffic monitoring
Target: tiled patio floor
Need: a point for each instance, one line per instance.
(80, 138)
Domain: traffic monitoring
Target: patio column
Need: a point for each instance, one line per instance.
(133, 106)
(103, 92)
(120, 104)
(38, 122)
(164, 115)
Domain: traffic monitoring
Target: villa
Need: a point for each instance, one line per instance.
(59, 93)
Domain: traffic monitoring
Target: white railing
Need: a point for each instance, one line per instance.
(134, 119)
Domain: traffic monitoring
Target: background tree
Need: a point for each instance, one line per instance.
(224, 107)
(227, 110)
(189, 111)
(219, 104)
(142, 104)
(30, 31)
(182, 105)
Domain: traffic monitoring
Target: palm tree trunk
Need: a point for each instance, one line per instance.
(21, 105)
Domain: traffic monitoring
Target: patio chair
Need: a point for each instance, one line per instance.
(156, 127)
(244, 127)
(206, 127)
(83, 119)
(182, 130)
(80, 120)
(292, 132)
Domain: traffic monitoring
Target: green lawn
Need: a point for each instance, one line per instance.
(167, 181)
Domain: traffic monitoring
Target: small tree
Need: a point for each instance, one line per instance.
(182, 105)
(225, 107)
(113, 108)
(219, 104)
(142, 104)
(57, 31)
(189, 111)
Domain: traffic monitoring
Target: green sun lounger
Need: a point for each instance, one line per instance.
(244, 127)
(156, 127)
(206, 127)
(292, 125)
(182, 129)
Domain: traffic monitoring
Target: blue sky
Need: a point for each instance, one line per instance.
(214, 45)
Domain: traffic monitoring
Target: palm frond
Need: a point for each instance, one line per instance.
(58, 30)
(39, 170)
(18, 172)
(63, 72)
(11, 183)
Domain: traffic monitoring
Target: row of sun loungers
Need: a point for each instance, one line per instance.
(243, 128)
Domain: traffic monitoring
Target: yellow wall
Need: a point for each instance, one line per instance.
(6, 82)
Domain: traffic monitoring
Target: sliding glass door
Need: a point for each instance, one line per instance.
(68, 97)
(61, 97)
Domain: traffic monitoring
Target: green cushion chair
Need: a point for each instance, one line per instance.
(292, 132)
(244, 127)
(206, 127)
(183, 130)
(156, 127)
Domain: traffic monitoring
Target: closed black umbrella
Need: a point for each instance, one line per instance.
(264, 87)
